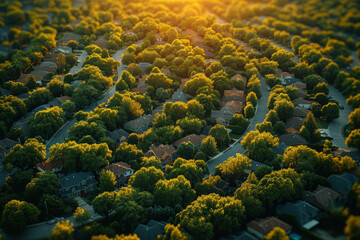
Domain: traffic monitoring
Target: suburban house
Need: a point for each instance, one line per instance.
(300, 112)
(6, 144)
(342, 183)
(226, 99)
(193, 138)
(118, 135)
(76, 83)
(139, 90)
(59, 101)
(222, 116)
(51, 57)
(322, 197)
(53, 166)
(292, 139)
(150, 231)
(101, 42)
(23, 78)
(121, 170)
(38, 109)
(23, 124)
(345, 152)
(234, 92)
(302, 103)
(288, 80)
(238, 76)
(234, 106)
(295, 123)
(76, 184)
(305, 213)
(261, 227)
(165, 71)
(165, 153)
(140, 124)
(180, 96)
(285, 75)
(244, 235)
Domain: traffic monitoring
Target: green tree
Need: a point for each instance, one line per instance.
(146, 178)
(208, 146)
(30, 82)
(186, 150)
(69, 109)
(251, 97)
(284, 109)
(52, 204)
(104, 203)
(198, 81)
(38, 97)
(353, 140)
(352, 228)
(62, 231)
(249, 111)
(17, 214)
(221, 135)
(43, 183)
(129, 153)
(330, 111)
(354, 118)
(233, 168)
(81, 215)
(174, 191)
(192, 170)
(107, 180)
(158, 80)
(47, 122)
(277, 234)
(238, 123)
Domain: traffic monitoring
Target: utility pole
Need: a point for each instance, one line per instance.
(46, 208)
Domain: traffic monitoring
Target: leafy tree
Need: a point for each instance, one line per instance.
(208, 146)
(150, 162)
(277, 234)
(57, 87)
(172, 232)
(249, 111)
(192, 170)
(125, 82)
(251, 97)
(190, 125)
(221, 135)
(128, 153)
(352, 227)
(30, 82)
(47, 122)
(44, 183)
(354, 118)
(52, 204)
(27, 155)
(38, 97)
(284, 109)
(238, 123)
(186, 150)
(353, 140)
(69, 109)
(272, 117)
(63, 230)
(272, 81)
(107, 180)
(146, 178)
(330, 111)
(221, 81)
(264, 127)
(17, 214)
(158, 80)
(134, 69)
(233, 168)
(174, 191)
(197, 81)
(225, 215)
(104, 203)
(82, 128)
(311, 127)
(284, 59)
(81, 215)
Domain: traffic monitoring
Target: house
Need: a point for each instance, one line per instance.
(75, 84)
(150, 231)
(38, 109)
(165, 71)
(289, 80)
(45, 69)
(244, 235)
(139, 90)
(235, 92)
(23, 124)
(235, 106)
(6, 144)
(342, 183)
(158, 110)
(23, 95)
(222, 116)
(47, 64)
(101, 42)
(226, 99)
(322, 197)
(140, 124)
(261, 227)
(206, 130)
(299, 85)
(76, 184)
(23, 78)
(285, 75)
(345, 152)
(165, 153)
(238, 76)
(306, 214)
(300, 112)
(41, 73)
(59, 101)
(62, 49)
(118, 135)
(292, 139)
(180, 96)
(4, 33)
(53, 166)
(193, 138)
(255, 165)
(302, 103)
(183, 81)
(121, 170)
(295, 123)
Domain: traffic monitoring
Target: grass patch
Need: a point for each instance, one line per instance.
(322, 124)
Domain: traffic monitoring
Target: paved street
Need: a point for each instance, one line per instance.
(260, 115)
(62, 133)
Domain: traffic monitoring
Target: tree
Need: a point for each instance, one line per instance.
(312, 81)
(354, 118)
(174, 191)
(225, 215)
(208, 146)
(52, 204)
(352, 228)
(128, 153)
(233, 168)
(83, 128)
(146, 178)
(73, 44)
(62, 231)
(125, 82)
(284, 59)
(310, 126)
(47, 122)
(251, 97)
(27, 155)
(330, 111)
(134, 69)
(17, 214)
(192, 170)
(30, 82)
(221, 81)
(353, 140)
(221, 135)
(172, 232)
(158, 80)
(198, 81)
(249, 111)
(264, 127)
(57, 87)
(104, 203)
(69, 109)
(272, 117)
(107, 180)
(43, 183)
(186, 150)
(81, 215)
(321, 98)
(38, 97)
(284, 109)
(238, 123)
(190, 125)
(277, 234)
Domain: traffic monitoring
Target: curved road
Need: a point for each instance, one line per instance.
(236, 147)
(62, 133)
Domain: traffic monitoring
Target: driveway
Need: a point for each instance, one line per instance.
(259, 117)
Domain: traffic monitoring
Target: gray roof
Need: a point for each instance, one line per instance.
(180, 96)
(40, 73)
(47, 64)
(224, 113)
(5, 92)
(117, 134)
(75, 178)
(304, 212)
(139, 123)
(6, 145)
(342, 183)
(150, 231)
(255, 165)
(292, 139)
(38, 109)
